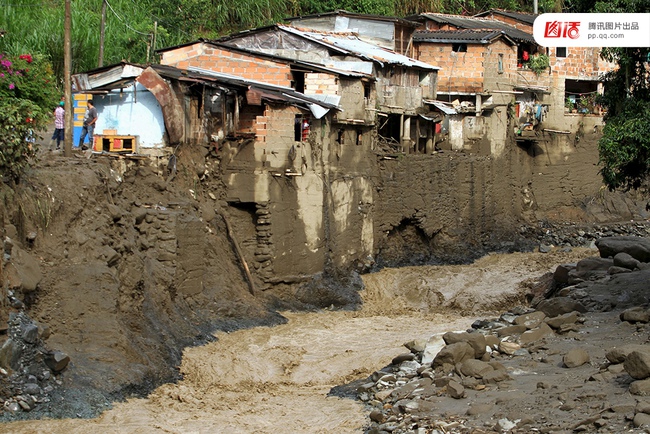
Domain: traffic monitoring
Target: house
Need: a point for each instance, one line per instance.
(482, 69)
(393, 97)
(503, 71)
(161, 105)
(576, 72)
(392, 33)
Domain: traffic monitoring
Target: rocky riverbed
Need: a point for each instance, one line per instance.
(576, 360)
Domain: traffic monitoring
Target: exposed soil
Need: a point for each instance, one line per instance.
(134, 278)
(279, 378)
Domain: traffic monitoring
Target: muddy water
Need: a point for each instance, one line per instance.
(276, 380)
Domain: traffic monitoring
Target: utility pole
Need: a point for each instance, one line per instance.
(102, 28)
(67, 85)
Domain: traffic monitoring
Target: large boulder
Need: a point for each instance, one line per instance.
(559, 306)
(453, 354)
(637, 364)
(476, 340)
(637, 247)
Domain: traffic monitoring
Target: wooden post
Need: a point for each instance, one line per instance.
(67, 85)
(238, 251)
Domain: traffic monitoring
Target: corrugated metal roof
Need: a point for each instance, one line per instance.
(84, 82)
(342, 12)
(355, 46)
(461, 22)
(519, 16)
(442, 107)
(460, 36)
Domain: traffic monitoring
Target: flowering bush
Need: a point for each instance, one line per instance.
(28, 96)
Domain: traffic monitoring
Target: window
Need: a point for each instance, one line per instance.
(366, 92)
(298, 82)
(459, 48)
(500, 66)
(359, 137)
(560, 52)
(297, 128)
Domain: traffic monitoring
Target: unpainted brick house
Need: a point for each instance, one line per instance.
(393, 96)
(487, 62)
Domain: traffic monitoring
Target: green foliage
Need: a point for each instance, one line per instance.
(27, 98)
(539, 63)
(624, 148)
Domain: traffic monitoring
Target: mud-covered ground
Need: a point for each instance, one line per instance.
(279, 379)
(130, 273)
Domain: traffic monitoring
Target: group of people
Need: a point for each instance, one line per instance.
(88, 129)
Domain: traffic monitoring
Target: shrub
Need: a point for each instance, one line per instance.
(28, 96)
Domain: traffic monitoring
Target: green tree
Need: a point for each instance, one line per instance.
(624, 149)
(27, 98)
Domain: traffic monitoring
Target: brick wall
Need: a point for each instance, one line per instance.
(321, 83)
(205, 56)
(459, 72)
(580, 63)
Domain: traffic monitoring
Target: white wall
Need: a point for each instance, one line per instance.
(132, 112)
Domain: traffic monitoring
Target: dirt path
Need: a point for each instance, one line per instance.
(270, 380)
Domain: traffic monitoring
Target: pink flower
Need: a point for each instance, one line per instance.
(12, 86)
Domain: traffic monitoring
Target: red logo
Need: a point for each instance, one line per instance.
(559, 29)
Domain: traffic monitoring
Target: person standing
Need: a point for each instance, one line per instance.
(59, 124)
(90, 118)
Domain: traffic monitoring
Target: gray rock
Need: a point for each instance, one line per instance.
(637, 364)
(560, 320)
(474, 368)
(641, 420)
(635, 314)
(432, 348)
(592, 268)
(57, 361)
(617, 270)
(575, 357)
(476, 340)
(511, 330)
(402, 357)
(640, 387)
(31, 389)
(625, 260)
(10, 354)
(12, 407)
(455, 390)
(535, 335)
(560, 305)
(377, 416)
(618, 354)
(30, 333)
(509, 348)
(530, 320)
(453, 354)
(477, 409)
(642, 406)
(637, 247)
(416, 346)
(561, 273)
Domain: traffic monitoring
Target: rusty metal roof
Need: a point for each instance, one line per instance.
(461, 36)
(474, 23)
(519, 16)
(124, 74)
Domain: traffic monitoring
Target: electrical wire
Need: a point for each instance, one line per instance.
(123, 21)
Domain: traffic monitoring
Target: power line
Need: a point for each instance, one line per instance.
(123, 21)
